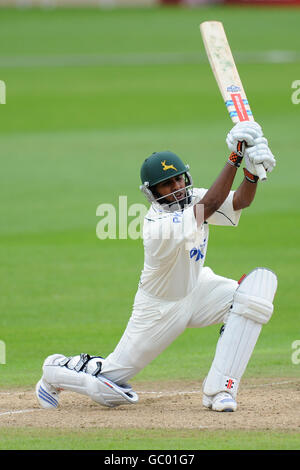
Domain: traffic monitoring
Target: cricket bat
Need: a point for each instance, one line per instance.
(226, 74)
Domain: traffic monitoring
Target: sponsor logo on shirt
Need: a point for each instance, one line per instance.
(177, 217)
(198, 253)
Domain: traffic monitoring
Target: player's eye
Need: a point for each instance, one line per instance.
(179, 177)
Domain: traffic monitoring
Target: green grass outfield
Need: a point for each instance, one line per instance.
(74, 136)
(136, 439)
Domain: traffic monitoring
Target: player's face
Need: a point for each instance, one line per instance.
(175, 185)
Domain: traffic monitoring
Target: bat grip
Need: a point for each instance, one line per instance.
(261, 172)
(240, 148)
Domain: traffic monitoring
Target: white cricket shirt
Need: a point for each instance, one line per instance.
(175, 247)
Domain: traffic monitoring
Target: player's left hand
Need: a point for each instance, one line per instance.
(246, 131)
(259, 153)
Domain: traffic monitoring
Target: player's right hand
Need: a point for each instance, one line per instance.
(259, 153)
(246, 131)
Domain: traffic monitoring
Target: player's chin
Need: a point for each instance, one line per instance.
(180, 196)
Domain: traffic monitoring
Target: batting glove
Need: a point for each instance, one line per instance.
(259, 153)
(246, 131)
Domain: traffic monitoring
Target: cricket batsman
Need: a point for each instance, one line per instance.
(176, 290)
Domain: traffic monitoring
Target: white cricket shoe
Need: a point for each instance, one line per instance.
(47, 395)
(222, 401)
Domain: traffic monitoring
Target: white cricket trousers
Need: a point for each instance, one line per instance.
(156, 323)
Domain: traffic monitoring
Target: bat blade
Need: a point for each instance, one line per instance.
(226, 74)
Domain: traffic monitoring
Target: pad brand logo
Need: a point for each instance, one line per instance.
(2, 92)
(229, 384)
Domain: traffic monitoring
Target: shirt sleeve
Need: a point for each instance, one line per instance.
(226, 215)
(162, 235)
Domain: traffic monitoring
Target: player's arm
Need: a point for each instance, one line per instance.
(245, 193)
(217, 193)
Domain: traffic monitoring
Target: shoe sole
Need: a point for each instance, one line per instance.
(209, 405)
(44, 398)
(224, 410)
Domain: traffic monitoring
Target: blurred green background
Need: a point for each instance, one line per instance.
(90, 94)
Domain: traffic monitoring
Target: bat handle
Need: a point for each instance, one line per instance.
(240, 148)
(261, 172)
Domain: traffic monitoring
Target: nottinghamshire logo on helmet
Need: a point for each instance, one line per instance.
(168, 167)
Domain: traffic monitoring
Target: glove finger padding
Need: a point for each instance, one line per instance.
(257, 154)
(249, 165)
(249, 127)
(264, 154)
(247, 131)
(260, 140)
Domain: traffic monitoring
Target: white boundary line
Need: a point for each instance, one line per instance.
(177, 392)
(168, 394)
(19, 411)
(284, 382)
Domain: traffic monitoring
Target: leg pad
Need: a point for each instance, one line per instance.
(252, 307)
(81, 374)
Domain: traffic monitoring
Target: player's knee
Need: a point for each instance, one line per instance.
(253, 298)
(53, 360)
(252, 307)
